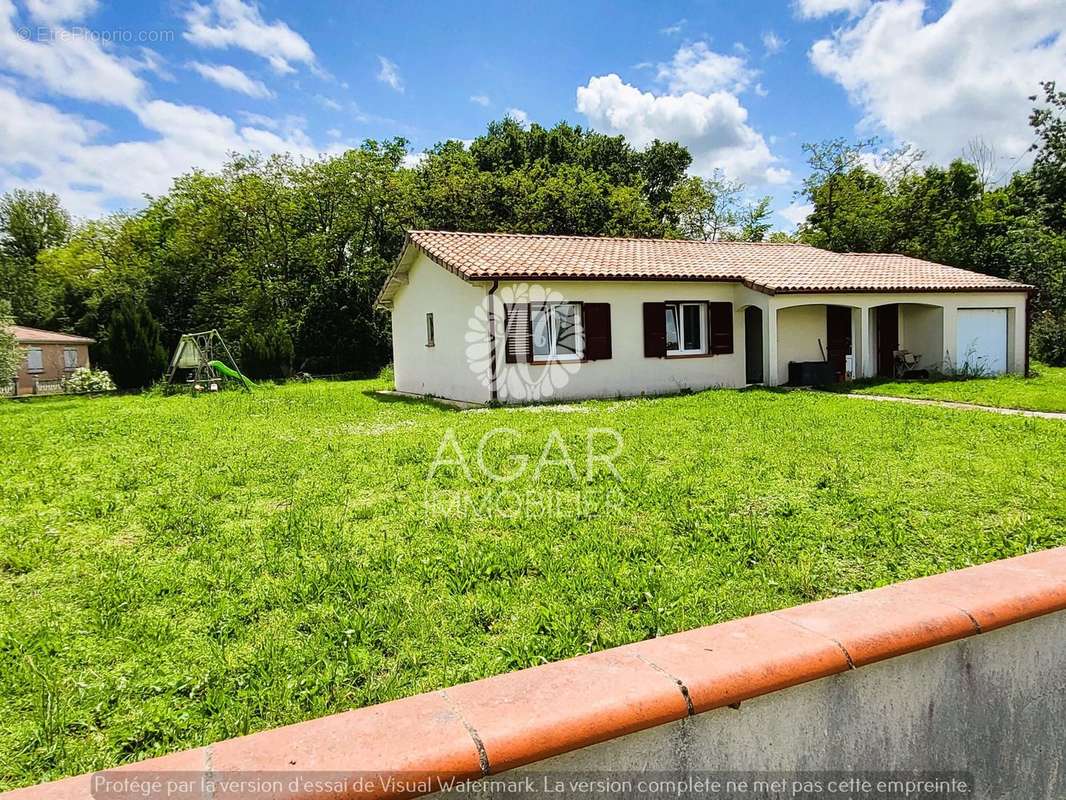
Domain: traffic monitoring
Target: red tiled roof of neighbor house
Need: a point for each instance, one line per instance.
(26, 335)
(519, 718)
(765, 266)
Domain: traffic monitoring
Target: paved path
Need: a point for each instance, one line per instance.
(917, 401)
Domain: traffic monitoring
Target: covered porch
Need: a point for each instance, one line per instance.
(864, 336)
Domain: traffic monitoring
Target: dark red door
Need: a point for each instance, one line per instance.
(887, 340)
(838, 338)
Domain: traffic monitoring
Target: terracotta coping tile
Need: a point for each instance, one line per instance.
(522, 717)
(420, 734)
(79, 787)
(535, 713)
(1002, 592)
(723, 664)
(882, 623)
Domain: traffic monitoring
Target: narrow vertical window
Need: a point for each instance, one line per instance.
(70, 358)
(430, 341)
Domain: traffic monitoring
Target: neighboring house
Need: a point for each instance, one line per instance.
(49, 358)
(514, 318)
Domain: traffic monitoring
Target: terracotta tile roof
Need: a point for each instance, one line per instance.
(37, 336)
(768, 267)
(524, 717)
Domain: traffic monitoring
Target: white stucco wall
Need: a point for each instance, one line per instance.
(921, 330)
(798, 331)
(627, 372)
(441, 370)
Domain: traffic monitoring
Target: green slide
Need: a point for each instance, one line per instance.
(231, 373)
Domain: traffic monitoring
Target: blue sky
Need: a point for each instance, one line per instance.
(102, 101)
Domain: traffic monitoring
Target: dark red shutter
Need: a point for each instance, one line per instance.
(517, 333)
(721, 327)
(597, 321)
(655, 330)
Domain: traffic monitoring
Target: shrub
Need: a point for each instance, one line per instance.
(133, 350)
(1048, 339)
(84, 380)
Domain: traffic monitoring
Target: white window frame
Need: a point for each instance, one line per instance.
(678, 310)
(550, 310)
(431, 338)
(73, 351)
(30, 352)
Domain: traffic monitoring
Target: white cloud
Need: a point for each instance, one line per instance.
(328, 102)
(480, 99)
(795, 213)
(814, 9)
(674, 29)
(73, 66)
(412, 160)
(234, 23)
(62, 152)
(389, 74)
(697, 68)
(772, 43)
(714, 127)
(229, 77)
(518, 115)
(53, 12)
(942, 83)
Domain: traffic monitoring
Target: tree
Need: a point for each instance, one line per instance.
(10, 352)
(132, 351)
(1049, 165)
(754, 220)
(829, 162)
(706, 208)
(30, 223)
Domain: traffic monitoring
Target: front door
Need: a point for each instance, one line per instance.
(887, 340)
(753, 345)
(838, 339)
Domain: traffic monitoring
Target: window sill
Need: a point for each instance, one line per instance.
(673, 356)
(546, 361)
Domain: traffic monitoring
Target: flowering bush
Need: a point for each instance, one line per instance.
(84, 380)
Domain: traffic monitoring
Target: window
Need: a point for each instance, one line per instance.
(430, 342)
(70, 358)
(557, 334)
(686, 329)
(34, 360)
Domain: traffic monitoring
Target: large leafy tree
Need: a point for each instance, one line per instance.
(10, 352)
(30, 223)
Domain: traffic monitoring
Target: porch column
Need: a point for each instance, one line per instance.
(770, 373)
(867, 362)
(949, 358)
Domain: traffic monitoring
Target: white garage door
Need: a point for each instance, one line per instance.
(981, 344)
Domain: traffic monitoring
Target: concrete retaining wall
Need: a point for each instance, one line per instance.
(991, 708)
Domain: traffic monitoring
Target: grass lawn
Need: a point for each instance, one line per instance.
(178, 570)
(1045, 391)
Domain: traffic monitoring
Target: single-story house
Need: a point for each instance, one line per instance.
(50, 358)
(482, 317)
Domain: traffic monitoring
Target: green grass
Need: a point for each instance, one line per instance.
(175, 570)
(1044, 391)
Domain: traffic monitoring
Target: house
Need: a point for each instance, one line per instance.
(50, 358)
(482, 317)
